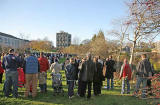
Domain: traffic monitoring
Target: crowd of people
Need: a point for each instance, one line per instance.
(85, 72)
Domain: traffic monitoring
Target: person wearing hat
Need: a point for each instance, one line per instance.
(10, 64)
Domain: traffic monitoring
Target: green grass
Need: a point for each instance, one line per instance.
(62, 60)
(108, 97)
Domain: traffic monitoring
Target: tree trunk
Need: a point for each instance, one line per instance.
(132, 51)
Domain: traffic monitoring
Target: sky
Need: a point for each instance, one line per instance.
(37, 19)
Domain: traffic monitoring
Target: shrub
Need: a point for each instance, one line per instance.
(156, 85)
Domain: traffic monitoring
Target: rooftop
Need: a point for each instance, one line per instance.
(10, 36)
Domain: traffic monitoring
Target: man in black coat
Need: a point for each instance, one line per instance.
(98, 77)
(86, 76)
(109, 72)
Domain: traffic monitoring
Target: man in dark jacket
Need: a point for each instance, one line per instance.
(10, 64)
(109, 72)
(79, 76)
(76, 63)
(144, 70)
(98, 77)
(86, 76)
(71, 77)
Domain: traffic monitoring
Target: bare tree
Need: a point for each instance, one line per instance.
(144, 19)
(23, 36)
(86, 41)
(119, 33)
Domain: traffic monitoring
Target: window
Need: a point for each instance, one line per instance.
(8, 41)
(5, 40)
(12, 42)
(1, 40)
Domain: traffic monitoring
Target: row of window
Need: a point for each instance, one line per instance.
(8, 41)
(64, 40)
(62, 45)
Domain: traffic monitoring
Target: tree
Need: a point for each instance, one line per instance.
(94, 37)
(23, 36)
(86, 41)
(144, 19)
(98, 45)
(41, 45)
(120, 33)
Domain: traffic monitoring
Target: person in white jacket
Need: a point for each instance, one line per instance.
(55, 67)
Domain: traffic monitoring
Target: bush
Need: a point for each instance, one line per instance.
(156, 85)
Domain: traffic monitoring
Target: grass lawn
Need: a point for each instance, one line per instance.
(108, 97)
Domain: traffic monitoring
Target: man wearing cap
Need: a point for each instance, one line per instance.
(10, 64)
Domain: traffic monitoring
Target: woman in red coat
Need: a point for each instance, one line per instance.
(125, 74)
(1, 72)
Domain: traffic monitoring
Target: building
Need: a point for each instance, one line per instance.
(126, 49)
(63, 39)
(11, 41)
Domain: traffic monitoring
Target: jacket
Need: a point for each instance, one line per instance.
(110, 69)
(31, 65)
(144, 68)
(55, 67)
(10, 63)
(98, 75)
(87, 71)
(76, 64)
(1, 69)
(71, 72)
(125, 71)
(44, 64)
(21, 77)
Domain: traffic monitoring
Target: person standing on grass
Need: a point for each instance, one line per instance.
(143, 72)
(31, 69)
(71, 77)
(76, 63)
(1, 72)
(44, 66)
(110, 72)
(98, 77)
(10, 64)
(80, 77)
(125, 74)
(87, 72)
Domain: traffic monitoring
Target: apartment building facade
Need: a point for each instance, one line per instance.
(63, 39)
